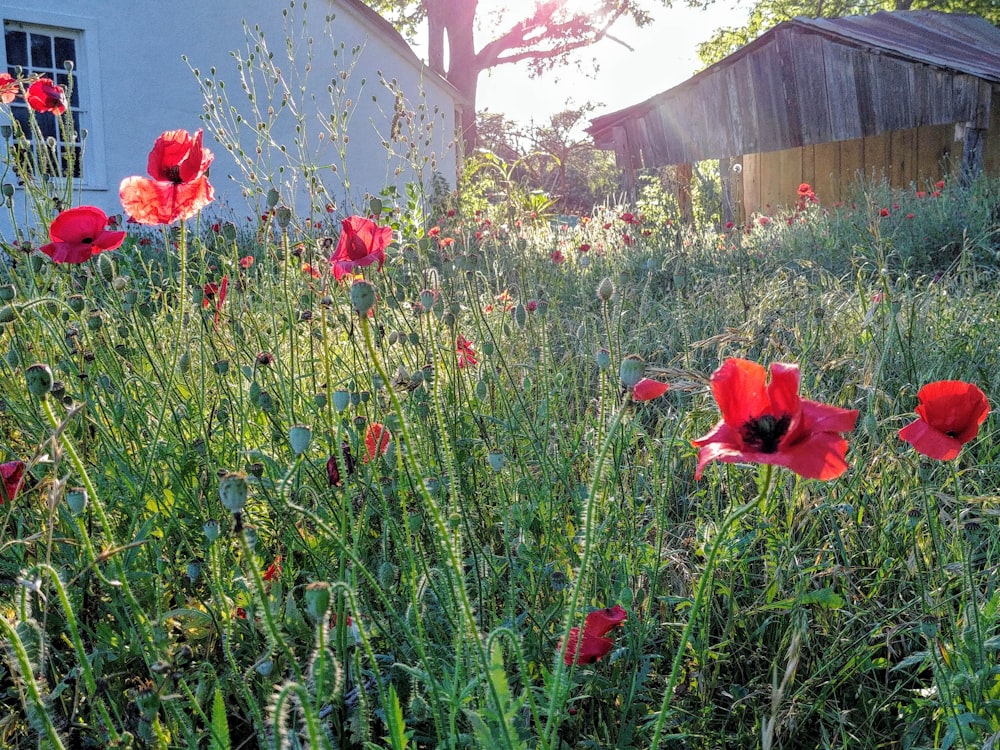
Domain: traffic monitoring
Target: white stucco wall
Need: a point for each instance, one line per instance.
(135, 84)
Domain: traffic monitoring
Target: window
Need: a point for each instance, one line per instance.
(44, 51)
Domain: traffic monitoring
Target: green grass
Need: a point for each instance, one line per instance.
(421, 602)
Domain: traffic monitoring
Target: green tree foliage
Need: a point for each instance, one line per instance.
(555, 159)
(768, 13)
(467, 37)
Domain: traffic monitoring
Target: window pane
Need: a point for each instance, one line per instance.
(22, 117)
(65, 50)
(46, 123)
(41, 51)
(17, 48)
(63, 80)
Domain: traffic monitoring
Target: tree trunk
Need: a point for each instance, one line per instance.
(451, 24)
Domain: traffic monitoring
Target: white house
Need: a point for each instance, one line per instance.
(323, 101)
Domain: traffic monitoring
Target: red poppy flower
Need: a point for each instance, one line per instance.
(950, 413)
(805, 189)
(466, 354)
(8, 88)
(647, 389)
(45, 96)
(273, 571)
(179, 188)
(246, 261)
(766, 422)
(361, 243)
(78, 234)
(594, 645)
(377, 439)
(218, 293)
(12, 473)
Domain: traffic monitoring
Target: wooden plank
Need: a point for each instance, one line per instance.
(735, 111)
(812, 85)
(784, 192)
(840, 63)
(826, 172)
(786, 40)
(894, 87)
(876, 158)
(852, 165)
(902, 157)
(770, 175)
(751, 184)
(772, 110)
(746, 102)
(808, 162)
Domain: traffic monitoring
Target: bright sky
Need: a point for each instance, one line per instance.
(665, 54)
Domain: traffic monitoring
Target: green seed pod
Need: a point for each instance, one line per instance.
(266, 402)
(250, 536)
(362, 296)
(603, 359)
(184, 362)
(7, 314)
(319, 400)
(222, 366)
(39, 379)
(272, 198)
(95, 322)
(497, 460)
(299, 436)
(631, 370)
(341, 399)
(7, 292)
(211, 529)
(520, 315)
(283, 215)
(233, 491)
(76, 499)
(193, 570)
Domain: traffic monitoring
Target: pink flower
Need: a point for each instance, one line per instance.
(362, 242)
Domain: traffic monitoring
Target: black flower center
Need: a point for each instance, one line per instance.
(764, 433)
(174, 174)
(87, 240)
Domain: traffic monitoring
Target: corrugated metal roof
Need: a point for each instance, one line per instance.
(959, 42)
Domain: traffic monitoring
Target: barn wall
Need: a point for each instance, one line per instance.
(904, 158)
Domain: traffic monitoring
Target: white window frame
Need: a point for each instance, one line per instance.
(84, 31)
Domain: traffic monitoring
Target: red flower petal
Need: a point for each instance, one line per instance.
(602, 621)
(79, 233)
(647, 389)
(586, 650)
(377, 439)
(950, 413)
(12, 473)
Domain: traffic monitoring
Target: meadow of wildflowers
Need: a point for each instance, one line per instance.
(491, 481)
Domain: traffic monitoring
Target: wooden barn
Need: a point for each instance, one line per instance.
(904, 95)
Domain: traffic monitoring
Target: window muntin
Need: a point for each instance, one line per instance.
(42, 51)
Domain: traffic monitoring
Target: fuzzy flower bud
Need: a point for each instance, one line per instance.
(606, 289)
(362, 296)
(233, 490)
(299, 435)
(39, 379)
(631, 370)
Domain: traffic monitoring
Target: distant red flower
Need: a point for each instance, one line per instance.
(531, 305)
(557, 256)
(273, 571)
(434, 231)
(584, 247)
(766, 422)
(246, 261)
(466, 354)
(179, 188)
(218, 293)
(939, 184)
(12, 473)
(594, 645)
(805, 189)
(311, 270)
(950, 412)
(333, 469)
(764, 220)
(361, 243)
(8, 88)
(80, 233)
(647, 389)
(45, 96)
(883, 212)
(377, 439)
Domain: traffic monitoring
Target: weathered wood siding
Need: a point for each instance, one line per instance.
(909, 157)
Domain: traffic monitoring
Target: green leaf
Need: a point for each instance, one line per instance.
(219, 739)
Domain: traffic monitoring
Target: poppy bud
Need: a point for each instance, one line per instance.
(603, 359)
(228, 231)
(427, 297)
(184, 362)
(317, 599)
(631, 370)
(520, 315)
(76, 499)
(256, 469)
(362, 296)
(222, 366)
(299, 436)
(387, 574)
(233, 490)
(193, 570)
(283, 215)
(39, 379)
(606, 289)
(272, 198)
(95, 322)
(7, 292)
